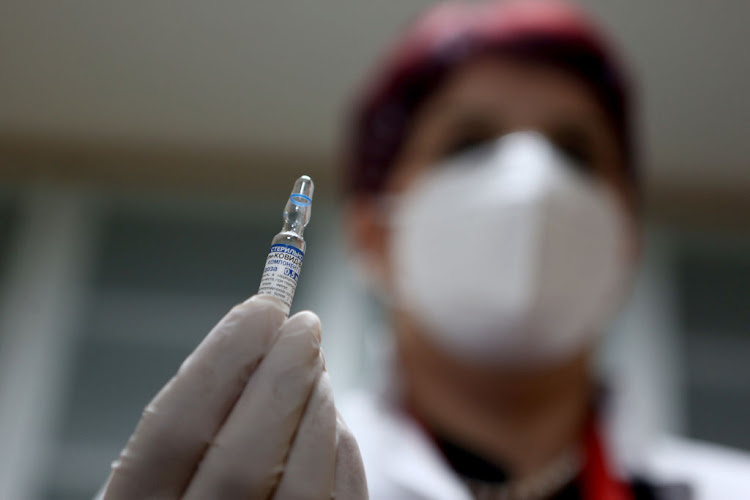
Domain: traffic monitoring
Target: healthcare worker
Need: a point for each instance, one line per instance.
(493, 201)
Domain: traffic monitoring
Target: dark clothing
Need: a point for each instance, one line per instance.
(475, 468)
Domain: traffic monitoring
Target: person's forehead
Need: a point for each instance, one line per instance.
(514, 89)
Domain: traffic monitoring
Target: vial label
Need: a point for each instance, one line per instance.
(280, 275)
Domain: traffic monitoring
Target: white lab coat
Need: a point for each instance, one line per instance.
(402, 464)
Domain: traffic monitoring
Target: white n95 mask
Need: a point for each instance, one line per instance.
(508, 254)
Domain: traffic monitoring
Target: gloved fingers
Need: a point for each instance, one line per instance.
(246, 458)
(186, 414)
(350, 482)
(309, 470)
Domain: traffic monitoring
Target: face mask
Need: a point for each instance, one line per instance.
(509, 254)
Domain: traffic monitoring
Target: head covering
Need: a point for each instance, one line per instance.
(445, 37)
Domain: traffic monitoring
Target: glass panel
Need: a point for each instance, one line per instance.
(183, 256)
(713, 292)
(8, 223)
(161, 280)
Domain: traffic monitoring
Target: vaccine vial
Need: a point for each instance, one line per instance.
(284, 261)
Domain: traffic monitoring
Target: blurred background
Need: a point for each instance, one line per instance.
(146, 151)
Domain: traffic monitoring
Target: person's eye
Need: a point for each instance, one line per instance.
(464, 143)
(577, 147)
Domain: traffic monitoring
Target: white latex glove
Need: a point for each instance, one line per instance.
(249, 415)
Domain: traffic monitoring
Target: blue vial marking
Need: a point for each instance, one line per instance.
(300, 199)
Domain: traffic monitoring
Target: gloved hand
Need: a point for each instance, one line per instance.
(249, 415)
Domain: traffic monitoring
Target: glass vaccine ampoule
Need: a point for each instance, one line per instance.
(284, 261)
